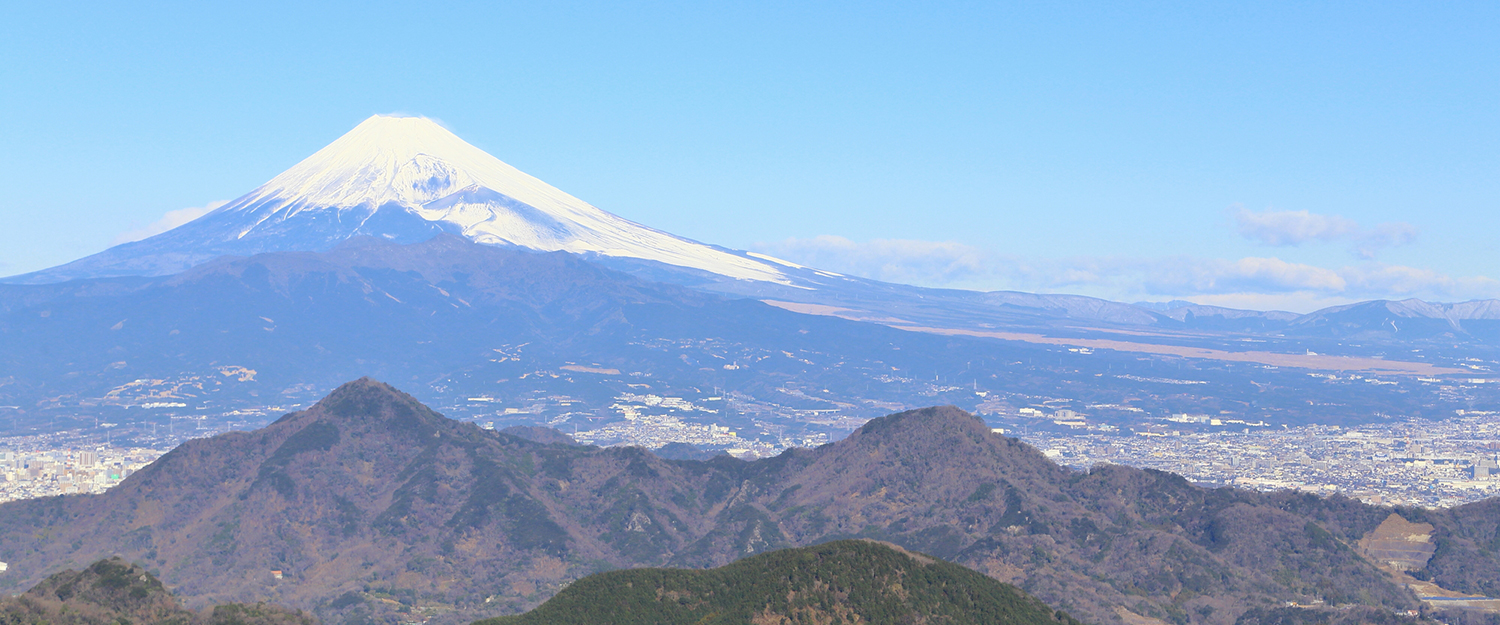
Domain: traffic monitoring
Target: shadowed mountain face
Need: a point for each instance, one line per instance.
(370, 494)
(451, 320)
(440, 315)
(682, 451)
(539, 434)
(415, 311)
(447, 317)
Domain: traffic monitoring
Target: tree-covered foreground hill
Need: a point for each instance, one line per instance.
(846, 581)
(115, 592)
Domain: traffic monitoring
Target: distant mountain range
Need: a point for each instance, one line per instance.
(369, 495)
(478, 329)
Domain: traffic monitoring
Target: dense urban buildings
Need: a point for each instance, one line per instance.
(28, 471)
(1410, 463)
(1400, 462)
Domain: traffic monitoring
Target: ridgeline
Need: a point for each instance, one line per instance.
(847, 581)
(373, 507)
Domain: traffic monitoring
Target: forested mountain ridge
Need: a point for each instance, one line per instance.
(369, 501)
(115, 592)
(850, 581)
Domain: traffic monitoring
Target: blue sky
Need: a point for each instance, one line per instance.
(1264, 155)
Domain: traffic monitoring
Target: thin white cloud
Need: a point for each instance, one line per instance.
(1399, 281)
(1290, 228)
(890, 260)
(170, 220)
(1196, 276)
(1297, 301)
(1255, 282)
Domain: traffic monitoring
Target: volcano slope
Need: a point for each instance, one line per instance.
(449, 320)
(369, 501)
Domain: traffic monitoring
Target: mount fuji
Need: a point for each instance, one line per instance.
(401, 251)
(406, 179)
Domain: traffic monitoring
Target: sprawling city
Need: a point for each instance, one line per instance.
(1400, 462)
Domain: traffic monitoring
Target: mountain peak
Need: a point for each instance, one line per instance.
(409, 161)
(416, 166)
(371, 401)
(113, 584)
(396, 129)
(363, 396)
(406, 179)
(911, 448)
(925, 422)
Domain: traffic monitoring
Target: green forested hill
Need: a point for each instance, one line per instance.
(116, 592)
(847, 581)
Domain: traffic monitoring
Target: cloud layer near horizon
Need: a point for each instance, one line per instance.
(170, 220)
(1290, 228)
(1250, 282)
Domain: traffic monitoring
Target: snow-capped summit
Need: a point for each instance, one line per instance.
(407, 160)
(406, 178)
